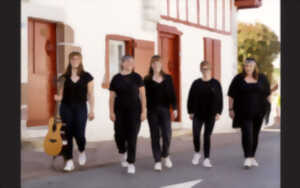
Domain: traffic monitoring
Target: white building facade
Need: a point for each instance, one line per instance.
(183, 32)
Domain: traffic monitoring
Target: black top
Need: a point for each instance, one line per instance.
(76, 93)
(250, 99)
(127, 90)
(160, 94)
(205, 98)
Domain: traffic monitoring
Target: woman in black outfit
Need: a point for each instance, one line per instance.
(205, 105)
(249, 96)
(78, 88)
(127, 105)
(160, 96)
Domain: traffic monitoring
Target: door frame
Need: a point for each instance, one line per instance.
(30, 58)
(161, 29)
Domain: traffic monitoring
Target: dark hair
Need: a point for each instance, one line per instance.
(154, 58)
(80, 69)
(123, 59)
(256, 70)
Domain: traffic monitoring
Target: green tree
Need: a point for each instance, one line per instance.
(260, 42)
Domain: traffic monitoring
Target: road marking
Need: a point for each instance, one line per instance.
(188, 184)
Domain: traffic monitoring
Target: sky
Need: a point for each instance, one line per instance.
(268, 14)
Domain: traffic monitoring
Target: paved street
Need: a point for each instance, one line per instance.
(226, 156)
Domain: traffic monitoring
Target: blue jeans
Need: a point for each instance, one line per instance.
(75, 117)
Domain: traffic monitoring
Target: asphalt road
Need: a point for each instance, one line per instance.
(226, 173)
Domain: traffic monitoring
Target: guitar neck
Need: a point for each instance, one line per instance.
(59, 85)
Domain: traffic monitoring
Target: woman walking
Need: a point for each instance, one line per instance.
(160, 97)
(205, 105)
(249, 101)
(127, 103)
(78, 88)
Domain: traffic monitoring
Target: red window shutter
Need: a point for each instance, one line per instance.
(143, 51)
(212, 54)
(217, 59)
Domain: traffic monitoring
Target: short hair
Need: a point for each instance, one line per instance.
(205, 63)
(126, 58)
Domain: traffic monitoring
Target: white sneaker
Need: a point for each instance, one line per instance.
(206, 163)
(196, 158)
(123, 159)
(247, 163)
(254, 162)
(158, 166)
(69, 165)
(82, 158)
(167, 162)
(131, 169)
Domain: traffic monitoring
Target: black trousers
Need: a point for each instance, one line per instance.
(250, 133)
(127, 127)
(208, 123)
(160, 125)
(75, 116)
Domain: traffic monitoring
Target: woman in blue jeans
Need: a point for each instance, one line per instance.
(76, 91)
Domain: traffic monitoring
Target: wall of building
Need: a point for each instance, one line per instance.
(92, 20)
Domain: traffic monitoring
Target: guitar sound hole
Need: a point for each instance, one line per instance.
(52, 140)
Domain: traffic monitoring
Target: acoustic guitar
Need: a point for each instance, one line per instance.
(55, 142)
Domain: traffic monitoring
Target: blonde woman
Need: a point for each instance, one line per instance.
(249, 102)
(127, 104)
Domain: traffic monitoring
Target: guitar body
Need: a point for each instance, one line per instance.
(53, 142)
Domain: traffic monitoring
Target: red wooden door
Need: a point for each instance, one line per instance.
(143, 52)
(42, 71)
(169, 51)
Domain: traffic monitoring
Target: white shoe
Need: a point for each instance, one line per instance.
(254, 162)
(158, 166)
(69, 165)
(82, 158)
(206, 163)
(167, 162)
(123, 159)
(131, 169)
(196, 158)
(247, 163)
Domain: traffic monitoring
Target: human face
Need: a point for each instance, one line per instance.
(249, 67)
(128, 65)
(75, 61)
(156, 66)
(206, 71)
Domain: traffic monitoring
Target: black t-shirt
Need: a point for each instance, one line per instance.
(126, 88)
(76, 92)
(250, 99)
(205, 98)
(160, 94)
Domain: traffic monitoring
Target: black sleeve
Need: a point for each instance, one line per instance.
(219, 98)
(139, 81)
(191, 99)
(173, 94)
(112, 85)
(233, 88)
(88, 77)
(266, 83)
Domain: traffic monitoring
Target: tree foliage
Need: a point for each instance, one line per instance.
(260, 42)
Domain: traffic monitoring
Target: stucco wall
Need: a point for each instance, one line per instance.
(92, 20)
